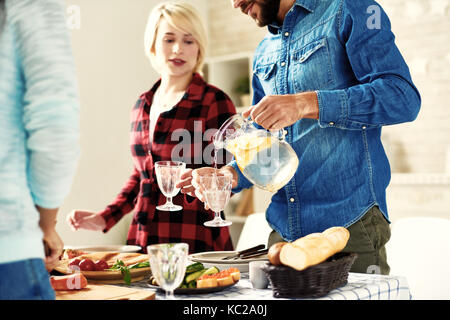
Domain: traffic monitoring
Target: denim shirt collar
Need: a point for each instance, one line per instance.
(308, 5)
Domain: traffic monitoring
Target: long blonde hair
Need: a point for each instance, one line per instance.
(181, 16)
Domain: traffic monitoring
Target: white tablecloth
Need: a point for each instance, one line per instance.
(359, 287)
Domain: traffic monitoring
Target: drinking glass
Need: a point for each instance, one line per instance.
(168, 265)
(217, 191)
(168, 174)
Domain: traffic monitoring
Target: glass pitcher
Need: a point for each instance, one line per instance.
(263, 157)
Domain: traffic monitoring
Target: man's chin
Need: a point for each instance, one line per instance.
(261, 23)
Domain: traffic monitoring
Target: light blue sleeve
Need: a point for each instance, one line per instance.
(51, 105)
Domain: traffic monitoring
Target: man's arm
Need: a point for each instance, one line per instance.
(386, 94)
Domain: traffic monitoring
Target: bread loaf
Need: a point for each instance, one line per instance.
(338, 236)
(274, 253)
(313, 248)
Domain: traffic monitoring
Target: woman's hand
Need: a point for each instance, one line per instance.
(190, 180)
(80, 219)
(185, 183)
(54, 247)
(52, 242)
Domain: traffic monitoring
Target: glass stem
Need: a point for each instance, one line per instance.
(169, 201)
(170, 295)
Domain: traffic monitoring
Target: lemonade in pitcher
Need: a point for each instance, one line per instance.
(263, 157)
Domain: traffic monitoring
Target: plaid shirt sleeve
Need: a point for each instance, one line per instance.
(123, 203)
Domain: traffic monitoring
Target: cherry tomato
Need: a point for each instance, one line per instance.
(87, 265)
(101, 265)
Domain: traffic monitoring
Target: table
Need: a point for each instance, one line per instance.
(359, 287)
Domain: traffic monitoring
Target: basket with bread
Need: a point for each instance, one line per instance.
(310, 266)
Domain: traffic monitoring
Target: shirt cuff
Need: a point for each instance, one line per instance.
(333, 108)
(109, 219)
(243, 182)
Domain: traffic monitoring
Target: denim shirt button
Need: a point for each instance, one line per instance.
(283, 64)
(286, 34)
(292, 199)
(331, 123)
(364, 127)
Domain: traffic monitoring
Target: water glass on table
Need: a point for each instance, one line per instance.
(168, 265)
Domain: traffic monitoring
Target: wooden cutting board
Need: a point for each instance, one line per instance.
(105, 292)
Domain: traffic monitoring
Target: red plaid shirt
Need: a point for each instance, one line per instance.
(203, 107)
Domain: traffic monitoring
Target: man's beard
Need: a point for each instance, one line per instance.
(269, 12)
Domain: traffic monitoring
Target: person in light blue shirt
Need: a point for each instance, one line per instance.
(39, 147)
(329, 73)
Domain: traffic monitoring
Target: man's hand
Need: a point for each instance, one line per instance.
(278, 111)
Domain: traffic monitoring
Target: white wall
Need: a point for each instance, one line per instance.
(112, 72)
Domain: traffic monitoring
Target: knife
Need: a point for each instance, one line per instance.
(246, 251)
(253, 254)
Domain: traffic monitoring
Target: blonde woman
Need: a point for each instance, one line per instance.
(175, 42)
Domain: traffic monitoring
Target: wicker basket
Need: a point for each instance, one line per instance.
(315, 281)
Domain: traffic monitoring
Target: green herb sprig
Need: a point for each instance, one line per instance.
(125, 270)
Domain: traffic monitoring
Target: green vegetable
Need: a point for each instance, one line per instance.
(196, 266)
(193, 276)
(212, 270)
(192, 284)
(145, 264)
(125, 270)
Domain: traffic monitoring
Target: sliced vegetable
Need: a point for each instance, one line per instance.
(194, 276)
(196, 266)
(211, 270)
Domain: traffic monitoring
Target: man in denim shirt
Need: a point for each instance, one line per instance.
(330, 74)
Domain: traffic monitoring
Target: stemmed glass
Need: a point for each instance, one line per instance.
(168, 265)
(217, 191)
(168, 174)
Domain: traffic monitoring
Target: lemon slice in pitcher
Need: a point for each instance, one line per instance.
(246, 147)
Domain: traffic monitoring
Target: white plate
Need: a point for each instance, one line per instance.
(217, 256)
(102, 248)
(214, 259)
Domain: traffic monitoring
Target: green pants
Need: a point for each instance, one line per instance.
(368, 237)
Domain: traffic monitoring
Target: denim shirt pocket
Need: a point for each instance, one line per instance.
(267, 74)
(312, 66)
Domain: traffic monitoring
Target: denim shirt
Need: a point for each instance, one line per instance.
(338, 50)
